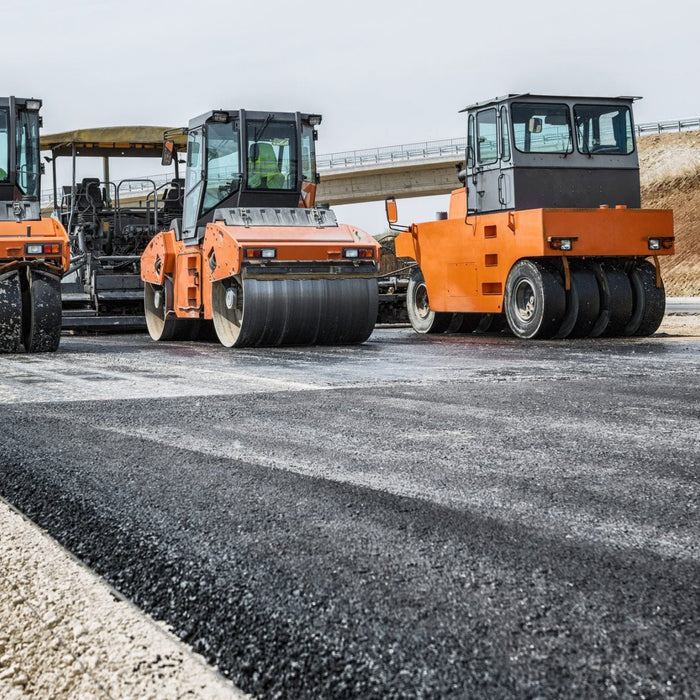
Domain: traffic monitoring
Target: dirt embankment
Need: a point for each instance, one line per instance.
(670, 174)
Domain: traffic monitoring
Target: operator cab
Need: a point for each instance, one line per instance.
(247, 159)
(20, 169)
(535, 151)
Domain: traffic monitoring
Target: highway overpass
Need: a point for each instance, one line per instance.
(409, 170)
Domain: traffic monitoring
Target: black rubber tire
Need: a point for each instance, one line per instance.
(582, 305)
(649, 301)
(161, 325)
(534, 301)
(493, 323)
(421, 317)
(41, 312)
(615, 300)
(10, 313)
(464, 322)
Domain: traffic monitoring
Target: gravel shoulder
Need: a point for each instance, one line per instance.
(65, 634)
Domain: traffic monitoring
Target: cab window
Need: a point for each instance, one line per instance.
(541, 128)
(193, 179)
(603, 129)
(486, 137)
(272, 156)
(4, 145)
(470, 142)
(505, 136)
(223, 162)
(308, 165)
(28, 153)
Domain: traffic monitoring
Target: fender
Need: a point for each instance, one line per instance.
(223, 254)
(158, 259)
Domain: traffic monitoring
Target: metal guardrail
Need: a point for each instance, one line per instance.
(405, 152)
(389, 154)
(672, 125)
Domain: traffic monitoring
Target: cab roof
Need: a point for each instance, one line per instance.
(567, 98)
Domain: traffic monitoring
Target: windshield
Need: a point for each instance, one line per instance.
(28, 153)
(541, 128)
(4, 144)
(603, 129)
(272, 155)
(223, 162)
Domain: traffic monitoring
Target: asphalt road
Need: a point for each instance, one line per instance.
(417, 517)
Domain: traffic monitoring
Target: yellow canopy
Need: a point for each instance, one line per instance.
(113, 141)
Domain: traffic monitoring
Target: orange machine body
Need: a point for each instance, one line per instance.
(466, 259)
(232, 250)
(19, 243)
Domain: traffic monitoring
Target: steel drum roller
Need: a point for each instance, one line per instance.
(294, 311)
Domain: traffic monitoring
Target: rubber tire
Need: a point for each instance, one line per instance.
(493, 323)
(10, 313)
(615, 300)
(548, 300)
(41, 312)
(649, 301)
(582, 305)
(421, 317)
(464, 322)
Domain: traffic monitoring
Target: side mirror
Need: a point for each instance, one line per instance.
(168, 152)
(392, 215)
(534, 126)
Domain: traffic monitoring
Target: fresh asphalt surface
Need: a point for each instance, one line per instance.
(417, 517)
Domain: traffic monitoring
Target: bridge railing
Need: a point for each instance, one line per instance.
(406, 152)
(389, 154)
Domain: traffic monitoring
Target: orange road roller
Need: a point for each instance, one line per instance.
(546, 237)
(34, 252)
(253, 256)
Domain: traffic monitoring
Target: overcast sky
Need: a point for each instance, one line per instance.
(381, 72)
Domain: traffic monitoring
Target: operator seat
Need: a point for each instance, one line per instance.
(173, 196)
(92, 193)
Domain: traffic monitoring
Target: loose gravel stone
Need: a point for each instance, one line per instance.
(65, 635)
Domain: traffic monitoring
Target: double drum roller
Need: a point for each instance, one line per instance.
(273, 312)
(34, 252)
(252, 259)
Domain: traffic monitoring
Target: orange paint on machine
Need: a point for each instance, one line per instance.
(253, 260)
(34, 252)
(546, 238)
